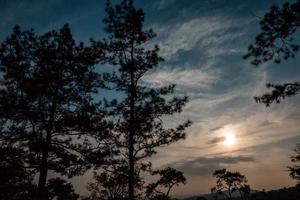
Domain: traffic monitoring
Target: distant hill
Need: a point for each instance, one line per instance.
(212, 197)
(292, 193)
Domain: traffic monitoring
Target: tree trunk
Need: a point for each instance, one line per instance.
(169, 189)
(131, 140)
(41, 190)
(131, 169)
(229, 191)
(242, 198)
(132, 91)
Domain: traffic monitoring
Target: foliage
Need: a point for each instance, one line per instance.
(59, 189)
(278, 93)
(230, 182)
(295, 169)
(276, 42)
(109, 186)
(46, 105)
(169, 178)
(138, 128)
(15, 181)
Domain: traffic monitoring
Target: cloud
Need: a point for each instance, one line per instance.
(161, 4)
(206, 165)
(185, 36)
(182, 77)
(216, 128)
(205, 32)
(266, 123)
(216, 140)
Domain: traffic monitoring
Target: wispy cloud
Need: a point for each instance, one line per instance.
(161, 4)
(216, 140)
(186, 77)
(204, 32)
(206, 165)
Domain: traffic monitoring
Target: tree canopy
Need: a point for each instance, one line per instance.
(46, 106)
(230, 182)
(168, 178)
(277, 42)
(295, 169)
(138, 125)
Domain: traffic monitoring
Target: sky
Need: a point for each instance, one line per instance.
(203, 42)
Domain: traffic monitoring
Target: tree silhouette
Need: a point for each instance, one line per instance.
(109, 186)
(244, 191)
(15, 181)
(295, 170)
(279, 92)
(276, 42)
(138, 127)
(230, 182)
(46, 105)
(59, 189)
(169, 178)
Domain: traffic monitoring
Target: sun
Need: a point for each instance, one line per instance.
(229, 139)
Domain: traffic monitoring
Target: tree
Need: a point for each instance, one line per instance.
(279, 92)
(169, 178)
(138, 128)
(276, 42)
(109, 186)
(295, 170)
(46, 105)
(15, 181)
(59, 189)
(230, 182)
(245, 191)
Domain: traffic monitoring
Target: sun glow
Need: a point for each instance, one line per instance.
(229, 139)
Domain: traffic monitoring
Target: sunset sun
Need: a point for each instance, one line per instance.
(229, 139)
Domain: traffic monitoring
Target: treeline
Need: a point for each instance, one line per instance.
(281, 194)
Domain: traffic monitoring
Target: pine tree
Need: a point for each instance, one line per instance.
(230, 182)
(168, 178)
(16, 183)
(60, 189)
(277, 42)
(295, 169)
(46, 104)
(138, 128)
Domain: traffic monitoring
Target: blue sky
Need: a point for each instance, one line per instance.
(202, 42)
